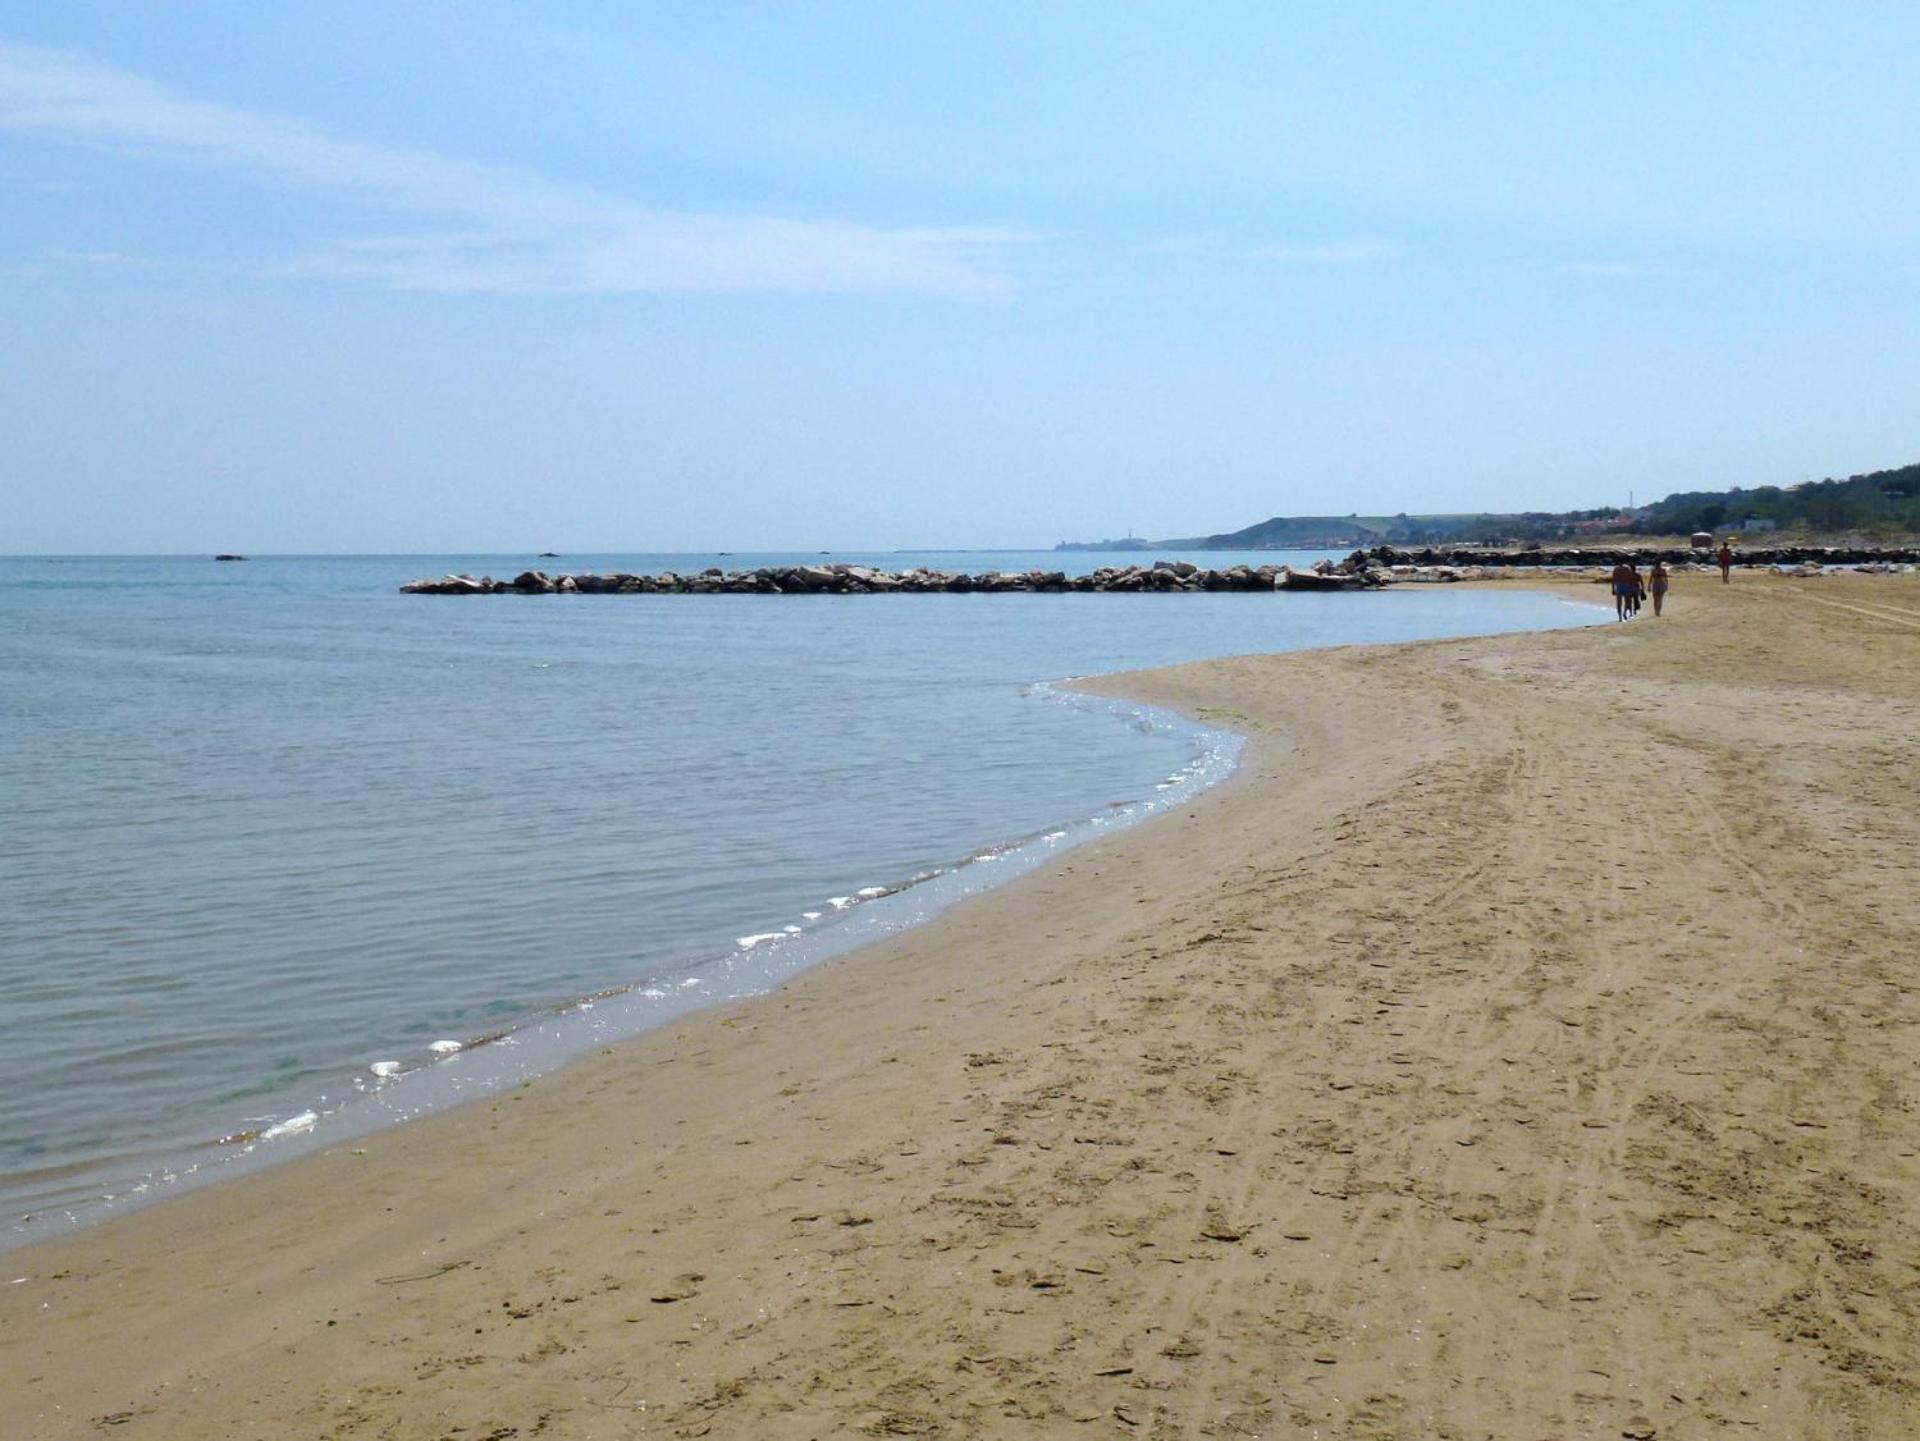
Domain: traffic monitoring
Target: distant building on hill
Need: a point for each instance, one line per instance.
(1758, 523)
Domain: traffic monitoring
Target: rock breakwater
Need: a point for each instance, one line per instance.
(1362, 570)
(1161, 576)
(1788, 555)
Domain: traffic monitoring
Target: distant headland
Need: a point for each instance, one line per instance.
(1882, 504)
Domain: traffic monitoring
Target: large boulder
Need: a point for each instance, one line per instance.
(1316, 580)
(447, 585)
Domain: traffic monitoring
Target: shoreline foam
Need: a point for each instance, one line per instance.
(457, 1072)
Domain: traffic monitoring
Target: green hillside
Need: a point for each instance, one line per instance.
(1882, 503)
(1334, 532)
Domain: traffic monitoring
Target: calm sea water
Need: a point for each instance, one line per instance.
(267, 827)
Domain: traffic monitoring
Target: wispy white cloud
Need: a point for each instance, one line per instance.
(1355, 251)
(670, 253)
(1609, 269)
(493, 229)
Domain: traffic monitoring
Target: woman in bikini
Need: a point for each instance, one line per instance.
(1657, 580)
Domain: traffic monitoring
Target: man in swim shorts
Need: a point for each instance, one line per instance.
(1625, 586)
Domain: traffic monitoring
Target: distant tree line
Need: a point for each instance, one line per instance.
(1882, 502)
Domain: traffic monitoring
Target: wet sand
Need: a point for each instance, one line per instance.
(1523, 1045)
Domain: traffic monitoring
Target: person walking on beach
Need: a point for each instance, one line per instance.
(1639, 588)
(1624, 582)
(1657, 580)
(1726, 562)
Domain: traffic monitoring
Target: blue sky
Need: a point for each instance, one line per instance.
(643, 277)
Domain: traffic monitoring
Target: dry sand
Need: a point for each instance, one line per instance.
(1524, 1046)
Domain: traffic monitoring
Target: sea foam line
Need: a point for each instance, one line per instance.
(455, 1070)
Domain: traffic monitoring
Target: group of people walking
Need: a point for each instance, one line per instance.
(1631, 589)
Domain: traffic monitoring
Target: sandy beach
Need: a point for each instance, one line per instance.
(1522, 1045)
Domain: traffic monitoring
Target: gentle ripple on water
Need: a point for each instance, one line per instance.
(267, 824)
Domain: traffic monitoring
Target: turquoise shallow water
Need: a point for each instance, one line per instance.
(266, 825)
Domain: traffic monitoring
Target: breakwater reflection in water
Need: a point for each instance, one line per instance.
(280, 839)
